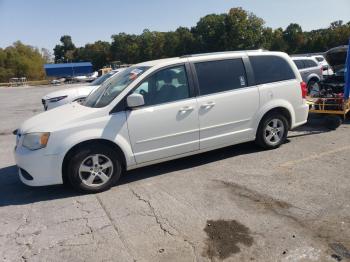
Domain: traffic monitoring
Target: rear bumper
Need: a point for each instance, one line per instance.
(301, 115)
(37, 169)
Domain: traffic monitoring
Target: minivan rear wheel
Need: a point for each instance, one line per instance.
(272, 131)
(94, 168)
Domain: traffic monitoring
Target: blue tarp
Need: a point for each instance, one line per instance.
(68, 69)
(347, 75)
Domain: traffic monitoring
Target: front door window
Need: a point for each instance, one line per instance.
(165, 86)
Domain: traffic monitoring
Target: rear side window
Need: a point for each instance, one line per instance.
(269, 69)
(220, 76)
(299, 64)
(165, 86)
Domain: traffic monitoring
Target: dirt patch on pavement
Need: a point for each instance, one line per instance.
(340, 250)
(320, 226)
(264, 201)
(5, 133)
(224, 237)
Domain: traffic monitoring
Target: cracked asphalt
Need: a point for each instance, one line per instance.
(232, 204)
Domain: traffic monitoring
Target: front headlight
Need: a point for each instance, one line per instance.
(35, 141)
(56, 99)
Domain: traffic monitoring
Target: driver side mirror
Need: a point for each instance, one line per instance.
(135, 100)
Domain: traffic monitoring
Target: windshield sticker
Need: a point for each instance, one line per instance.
(135, 73)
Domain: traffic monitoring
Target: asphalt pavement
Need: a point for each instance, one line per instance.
(234, 204)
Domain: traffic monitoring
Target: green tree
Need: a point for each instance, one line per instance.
(210, 33)
(294, 36)
(244, 30)
(64, 52)
(21, 60)
(277, 42)
(125, 48)
(97, 53)
(186, 42)
(237, 29)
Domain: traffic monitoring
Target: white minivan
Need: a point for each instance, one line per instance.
(162, 110)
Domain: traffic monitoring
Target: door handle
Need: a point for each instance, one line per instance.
(208, 105)
(186, 109)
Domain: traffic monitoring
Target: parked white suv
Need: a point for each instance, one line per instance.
(162, 110)
(78, 94)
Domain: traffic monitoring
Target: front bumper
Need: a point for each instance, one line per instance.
(43, 170)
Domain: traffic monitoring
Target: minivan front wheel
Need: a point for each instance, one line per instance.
(94, 168)
(273, 131)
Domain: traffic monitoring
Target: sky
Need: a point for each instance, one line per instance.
(41, 23)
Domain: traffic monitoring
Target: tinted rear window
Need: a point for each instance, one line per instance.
(320, 59)
(269, 69)
(220, 76)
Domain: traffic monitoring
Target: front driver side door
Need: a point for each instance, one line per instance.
(167, 125)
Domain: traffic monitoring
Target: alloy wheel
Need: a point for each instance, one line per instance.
(96, 170)
(274, 132)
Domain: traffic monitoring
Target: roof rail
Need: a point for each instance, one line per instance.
(222, 53)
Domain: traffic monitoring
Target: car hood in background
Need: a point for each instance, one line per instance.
(57, 118)
(73, 92)
(336, 57)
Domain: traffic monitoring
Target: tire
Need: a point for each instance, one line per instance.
(94, 168)
(333, 122)
(272, 131)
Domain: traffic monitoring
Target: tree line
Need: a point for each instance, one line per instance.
(235, 30)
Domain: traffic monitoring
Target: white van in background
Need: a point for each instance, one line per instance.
(77, 94)
(161, 110)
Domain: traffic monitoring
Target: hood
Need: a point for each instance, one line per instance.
(336, 57)
(74, 92)
(85, 91)
(57, 118)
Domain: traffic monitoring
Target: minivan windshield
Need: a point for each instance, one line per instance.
(110, 89)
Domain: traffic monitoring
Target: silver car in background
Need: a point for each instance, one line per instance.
(311, 71)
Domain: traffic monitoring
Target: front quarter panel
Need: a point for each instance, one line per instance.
(111, 127)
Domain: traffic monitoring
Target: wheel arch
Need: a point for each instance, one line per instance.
(90, 142)
(282, 110)
(313, 77)
(285, 110)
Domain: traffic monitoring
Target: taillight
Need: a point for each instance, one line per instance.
(303, 87)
